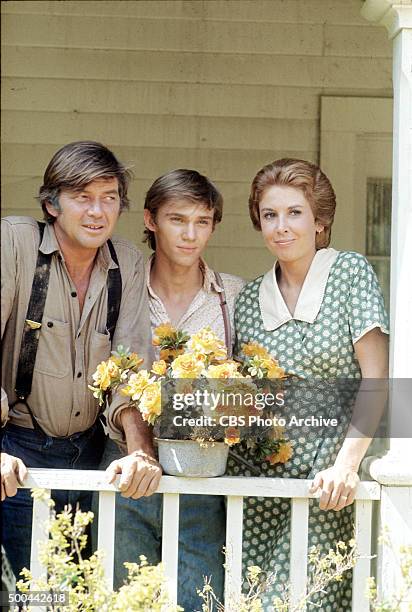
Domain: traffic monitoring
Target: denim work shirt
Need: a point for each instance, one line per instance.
(71, 343)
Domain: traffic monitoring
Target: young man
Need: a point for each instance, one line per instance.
(69, 294)
(181, 211)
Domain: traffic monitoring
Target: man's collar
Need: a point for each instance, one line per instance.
(272, 305)
(148, 267)
(209, 278)
(49, 245)
(49, 242)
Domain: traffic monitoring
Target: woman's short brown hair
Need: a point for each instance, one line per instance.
(76, 165)
(302, 175)
(182, 184)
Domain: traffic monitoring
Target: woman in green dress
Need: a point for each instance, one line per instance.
(320, 312)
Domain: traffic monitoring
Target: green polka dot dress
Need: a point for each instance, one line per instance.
(339, 302)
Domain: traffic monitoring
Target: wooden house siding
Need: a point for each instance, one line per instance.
(220, 86)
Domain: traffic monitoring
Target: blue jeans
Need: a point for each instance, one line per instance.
(202, 530)
(82, 451)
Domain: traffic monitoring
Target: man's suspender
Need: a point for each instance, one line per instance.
(225, 314)
(114, 292)
(32, 325)
(35, 311)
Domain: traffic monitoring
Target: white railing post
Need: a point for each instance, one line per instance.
(395, 514)
(170, 542)
(298, 549)
(234, 538)
(106, 532)
(361, 571)
(41, 516)
(39, 533)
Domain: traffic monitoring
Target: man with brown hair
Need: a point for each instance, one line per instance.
(181, 211)
(69, 294)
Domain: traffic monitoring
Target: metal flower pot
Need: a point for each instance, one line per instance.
(188, 458)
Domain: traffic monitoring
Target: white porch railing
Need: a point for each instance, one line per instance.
(235, 489)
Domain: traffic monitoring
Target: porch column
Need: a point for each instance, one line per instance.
(394, 470)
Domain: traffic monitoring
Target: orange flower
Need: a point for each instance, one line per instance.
(168, 354)
(252, 349)
(283, 454)
(232, 436)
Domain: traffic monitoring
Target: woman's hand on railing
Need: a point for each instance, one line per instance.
(338, 485)
(13, 472)
(140, 474)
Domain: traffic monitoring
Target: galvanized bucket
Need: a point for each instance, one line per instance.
(188, 458)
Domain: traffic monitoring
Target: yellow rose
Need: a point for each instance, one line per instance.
(136, 384)
(159, 367)
(134, 361)
(252, 349)
(117, 360)
(150, 404)
(161, 331)
(208, 343)
(188, 365)
(273, 368)
(223, 370)
(105, 373)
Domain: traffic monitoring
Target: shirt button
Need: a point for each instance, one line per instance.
(73, 294)
(49, 324)
(77, 414)
(79, 374)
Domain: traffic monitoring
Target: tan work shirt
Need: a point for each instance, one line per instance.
(71, 344)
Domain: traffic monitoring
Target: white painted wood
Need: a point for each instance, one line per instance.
(94, 480)
(256, 487)
(345, 123)
(395, 15)
(234, 540)
(234, 488)
(80, 480)
(41, 514)
(395, 516)
(298, 549)
(401, 241)
(170, 542)
(362, 569)
(106, 532)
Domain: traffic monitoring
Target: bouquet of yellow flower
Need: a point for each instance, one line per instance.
(188, 359)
